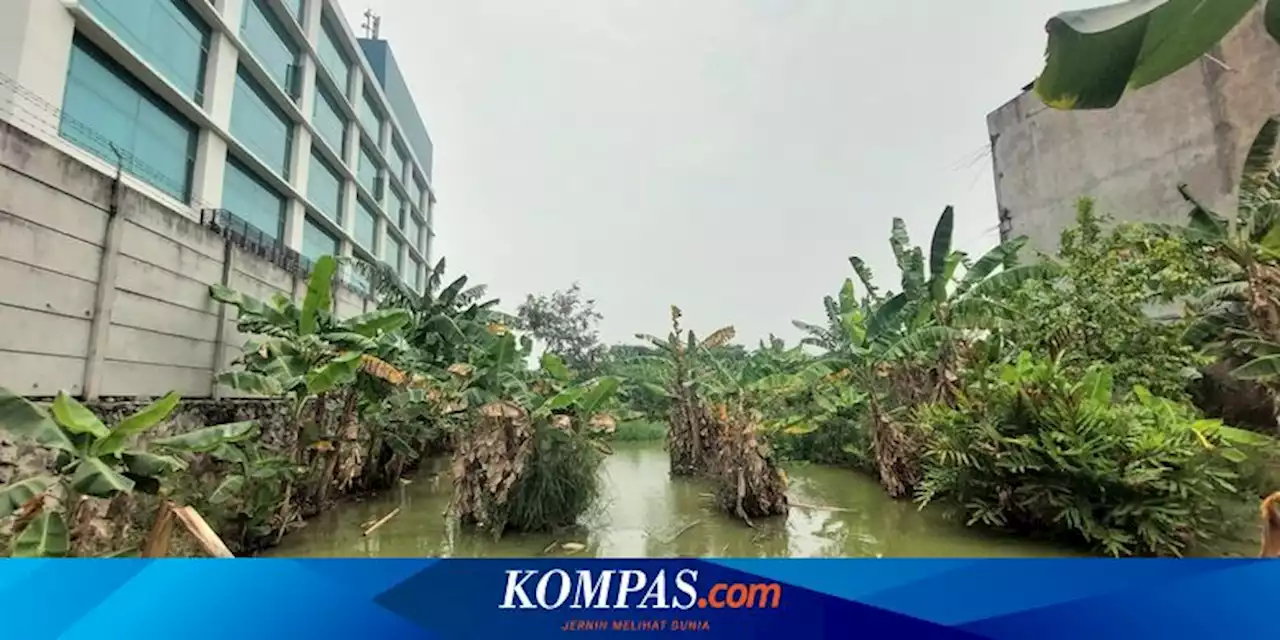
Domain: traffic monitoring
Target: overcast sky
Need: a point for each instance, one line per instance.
(726, 156)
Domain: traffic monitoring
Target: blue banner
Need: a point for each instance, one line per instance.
(539, 598)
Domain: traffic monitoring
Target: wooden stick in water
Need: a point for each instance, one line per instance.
(819, 507)
(379, 523)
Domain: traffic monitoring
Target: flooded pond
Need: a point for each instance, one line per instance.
(643, 512)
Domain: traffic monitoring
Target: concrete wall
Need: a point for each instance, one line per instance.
(114, 307)
(1193, 127)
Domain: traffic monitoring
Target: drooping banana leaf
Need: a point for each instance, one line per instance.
(46, 536)
(1095, 55)
(16, 494)
(208, 439)
(26, 420)
(94, 477)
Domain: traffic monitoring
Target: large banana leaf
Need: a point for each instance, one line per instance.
(940, 248)
(76, 418)
(1095, 55)
(377, 322)
(148, 417)
(1264, 368)
(864, 274)
(319, 294)
(997, 257)
(94, 477)
(150, 465)
(25, 419)
(227, 490)
(337, 372)
(886, 317)
(504, 351)
(251, 382)
(208, 439)
(595, 398)
(248, 305)
(1260, 162)
(1006, 281)
(46, 536)
(16, 494)
(447, 297)
(555, 367)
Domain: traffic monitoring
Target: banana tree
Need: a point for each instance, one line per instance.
(93, 460)
(1096, 55)
(306, 354)
(1244, 309)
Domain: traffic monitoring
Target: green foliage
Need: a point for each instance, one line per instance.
(1031, 448)
(94, 461)
(1095, 55)
(640, 431)
(566, 322)
(560, 482)
(1099, 310)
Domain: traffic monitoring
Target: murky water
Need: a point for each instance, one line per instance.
(645, 513)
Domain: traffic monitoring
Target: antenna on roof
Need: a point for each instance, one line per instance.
(372, 24)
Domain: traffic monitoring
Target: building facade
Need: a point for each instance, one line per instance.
(268, 112)
(1191, 128)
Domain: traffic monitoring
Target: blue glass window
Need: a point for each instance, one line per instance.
(251, 200)
(332, 58)
(414, 232)
(259, 125)
(324, 188)
(397, 161)
(295, 7)
(329, 123)
(357, 280)
(166, 33)
(395, 208)
(368, 171)
(391, 251)
(417, 277)
(104, 106)
(366, 226)
(369, 113)
(316, 242)
(418, 189)
(271, 45)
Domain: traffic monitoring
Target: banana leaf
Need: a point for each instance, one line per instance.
(1096, 55)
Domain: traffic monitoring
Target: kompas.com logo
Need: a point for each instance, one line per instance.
(630, 589)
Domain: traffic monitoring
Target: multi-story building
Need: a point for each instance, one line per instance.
(270, 110)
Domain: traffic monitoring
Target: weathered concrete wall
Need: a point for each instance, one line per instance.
(114, 310)
(1193, 127)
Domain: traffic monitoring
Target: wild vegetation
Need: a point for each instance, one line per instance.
(1052, 395)
(1121, 393)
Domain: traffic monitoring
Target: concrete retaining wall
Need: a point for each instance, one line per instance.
(104, 306)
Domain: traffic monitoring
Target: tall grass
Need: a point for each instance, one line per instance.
(558, 485)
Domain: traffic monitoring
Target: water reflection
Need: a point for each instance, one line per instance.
(643, 512)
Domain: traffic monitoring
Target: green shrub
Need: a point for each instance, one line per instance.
(1034, 449)
(640, 431)
(840, 441)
